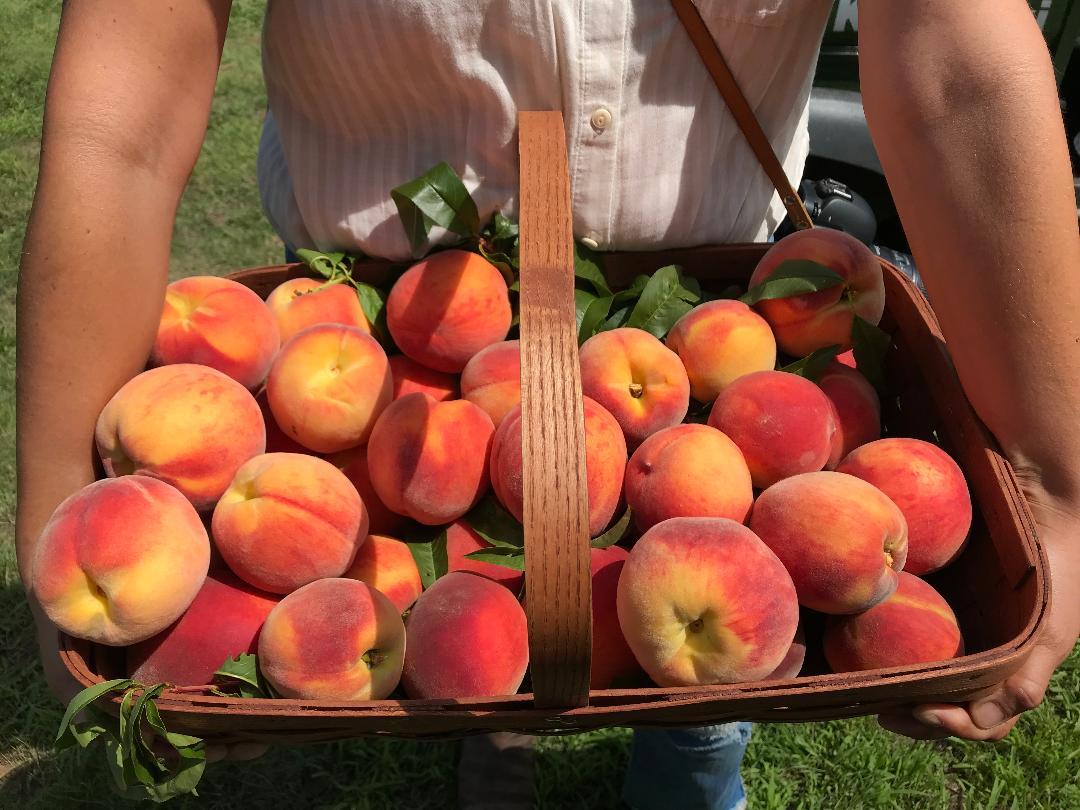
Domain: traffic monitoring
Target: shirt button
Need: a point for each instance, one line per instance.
(589, 242)
(600, 119)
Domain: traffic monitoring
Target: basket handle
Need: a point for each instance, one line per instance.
(557, 579)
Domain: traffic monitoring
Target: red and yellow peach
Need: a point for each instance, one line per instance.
(388, 566)
(612, 658)
(492, 379)
(858, 408)
(411, 377)
(462, 540)
(299, 303)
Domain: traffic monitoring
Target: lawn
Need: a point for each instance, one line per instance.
(849, 764)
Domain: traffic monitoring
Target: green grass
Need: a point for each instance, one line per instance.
(847, 764)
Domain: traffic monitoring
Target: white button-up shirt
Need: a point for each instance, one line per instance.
(364, 96)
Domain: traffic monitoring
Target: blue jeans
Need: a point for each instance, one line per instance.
(692, 769)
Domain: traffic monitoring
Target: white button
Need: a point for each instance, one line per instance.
(590, 243)
(600, 119)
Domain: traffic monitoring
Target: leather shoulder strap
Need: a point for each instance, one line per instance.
(740, 109)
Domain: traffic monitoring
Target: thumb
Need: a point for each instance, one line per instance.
(1021, 692)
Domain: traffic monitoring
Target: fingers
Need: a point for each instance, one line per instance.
(936, 722)
(236, 752)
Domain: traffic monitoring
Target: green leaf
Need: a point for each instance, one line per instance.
(84, 699)
(617, 319)
(814, 364)
(500, 555)
(587, 268)
(870, 344)
(437, 197)
(592, 319)
(145, 766)
(666, 298)
(327, 265)
(242, 675)
(497, 526)
(430, 557)
(373, 302)
(793, 277)
(633, 292)
(618, 530)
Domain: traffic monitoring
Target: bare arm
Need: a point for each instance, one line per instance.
(963, 109)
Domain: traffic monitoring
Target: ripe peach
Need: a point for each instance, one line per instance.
(288, 519)
(688, 471)
(333, 639)
(299, 303)
(638, 379)
(843, 541)
(411, 377)
(605, 462)
(462, 540)
(467, 638)
(223, 622)
(793, 662)
(783, 424)
(447, 307)
(611, 655)
(388, 566)
(703, 600)
(277, 440)
(327, 387)
(912, 626)
(492, 379)
(189, 425)
(804, 323)
(930, 490)
(219, 323)
(120, 560)
(720, 341)
(429, 460)
(858, 408)
(354, 463)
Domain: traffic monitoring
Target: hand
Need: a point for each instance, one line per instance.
(992, 716)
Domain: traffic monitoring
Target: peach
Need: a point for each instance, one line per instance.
(186, 424)
(388, 566)
(354, 463)
(605, 463)
(720, 341)
(219, 323)
(914, 625)
(793, 662)
(704, 601)
(858, 408)
(429, 460)
(120, 560)
(805, 323)
(411, 377)
(930, 490)
(277, 440)
(447, 307)
(462, 540)
(467, 638)
(612, 658)
(492, 379)
(783, 424)
(843, 541)
(327, 387)
(333, 639)
(288, 519)
(637, 378)
(299, 303)
(223, 622)
(688, 471)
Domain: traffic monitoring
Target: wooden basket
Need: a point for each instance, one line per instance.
(998, 587)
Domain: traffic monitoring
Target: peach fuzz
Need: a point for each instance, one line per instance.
(704, 601)
(462, 540)
(299, 303)
(188, 425)
(333, 639)
(447, 307)
(387, 565)
(688, 471)
(219, 323)
(793, 661)
(914, 625)
(492, 379)
(842, 539)
(277, 440)
(612, 658)
(354, 463)
(804, 323)
(327, 387)
(288, 519)
(605, 464)
(223, 622)
(411, 377)
(467, 638)
(637, 378)
(930, 490)
(720, 341)
(120, 560)
(858, 408)
(429, 460)
(783, 424)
